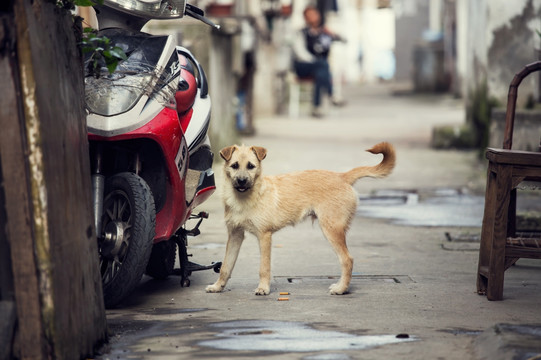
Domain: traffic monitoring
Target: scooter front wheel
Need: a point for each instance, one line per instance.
(128, 228)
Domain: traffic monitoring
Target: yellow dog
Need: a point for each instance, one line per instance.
(263, 205)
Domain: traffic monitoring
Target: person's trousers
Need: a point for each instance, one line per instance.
(320, 72)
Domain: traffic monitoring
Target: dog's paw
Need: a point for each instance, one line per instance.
(337, 289)
(262, 291)
(214, 288)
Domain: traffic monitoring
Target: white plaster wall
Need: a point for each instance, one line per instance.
(509, 53)
(344, 57)
(412, 19)
(462, 36)
(494, 42)
(476, 44)
(378, 39)
(500, 12)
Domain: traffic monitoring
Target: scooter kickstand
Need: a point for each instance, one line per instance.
(187, 267)
(185, 271)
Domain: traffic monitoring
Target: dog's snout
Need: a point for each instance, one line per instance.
(242, 184)
(242, 181)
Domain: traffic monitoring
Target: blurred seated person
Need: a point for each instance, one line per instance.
(311, 48)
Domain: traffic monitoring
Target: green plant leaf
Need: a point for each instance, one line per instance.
(84, 2)
(95, 39)
(111, 65)
(87, 49)
(118, 53)
(101, 48)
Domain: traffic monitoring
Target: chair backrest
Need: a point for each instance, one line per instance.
(512, 101)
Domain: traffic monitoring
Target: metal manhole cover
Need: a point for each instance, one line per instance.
(355, 279)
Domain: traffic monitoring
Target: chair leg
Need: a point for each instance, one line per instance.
(512, 214)
(487, 232)
(294, 99)
(497, 255)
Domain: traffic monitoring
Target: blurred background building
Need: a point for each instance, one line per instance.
(470, 49)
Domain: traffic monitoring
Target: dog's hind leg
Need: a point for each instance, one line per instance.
(265, 245)
(236, 237)
(337, 237)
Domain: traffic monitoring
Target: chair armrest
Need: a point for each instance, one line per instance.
(513, 157)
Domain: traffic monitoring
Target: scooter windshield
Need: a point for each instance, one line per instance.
(112, 94)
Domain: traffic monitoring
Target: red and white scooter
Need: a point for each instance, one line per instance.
(149, 149)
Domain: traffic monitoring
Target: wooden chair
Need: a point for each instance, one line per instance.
(300, 90)
(501, 244)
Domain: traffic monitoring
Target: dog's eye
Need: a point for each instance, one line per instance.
(250, 166)
(235, 166)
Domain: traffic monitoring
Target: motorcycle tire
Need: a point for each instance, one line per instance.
(162, 259)
(129, 222)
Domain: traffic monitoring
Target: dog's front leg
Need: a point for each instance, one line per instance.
(236, 237)
(265, 244)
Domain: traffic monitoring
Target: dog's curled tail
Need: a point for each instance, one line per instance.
(384, 168)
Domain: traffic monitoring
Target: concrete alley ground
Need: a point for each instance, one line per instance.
(413, 295)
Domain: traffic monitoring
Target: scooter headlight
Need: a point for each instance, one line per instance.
(108, 96)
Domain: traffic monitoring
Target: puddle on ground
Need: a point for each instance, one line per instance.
(328, 357)
(515, 341)
(460, 331)
(282, 336)
(439, 207)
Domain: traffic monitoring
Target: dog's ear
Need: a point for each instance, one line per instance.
(227, 152)
(260, 152)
